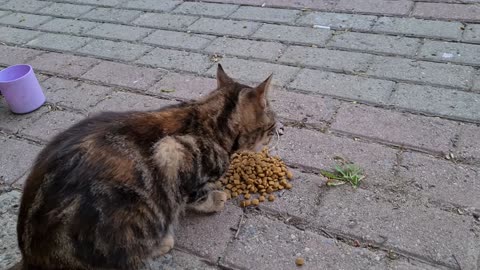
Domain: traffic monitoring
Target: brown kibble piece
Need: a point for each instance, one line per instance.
(255, 202)
(247, 196)
(261, 198)
(289, 175)
(288, 186)
(245, 203)
(299, 261)
(271, 197)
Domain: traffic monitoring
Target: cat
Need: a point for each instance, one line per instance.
(107, 192)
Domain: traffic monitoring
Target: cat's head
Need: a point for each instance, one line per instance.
(253, 117)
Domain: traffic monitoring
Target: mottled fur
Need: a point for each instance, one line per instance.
(107, 192)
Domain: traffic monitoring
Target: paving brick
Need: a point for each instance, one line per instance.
(404, 129)
(124, 101)
(123, 75)
(420, 71)
(178, 39)
(376, 43)
(384, 7)
(468, 147)
(437, 101)
(16, 36)
(71, 26)
(472, 33)
(207, 9)
(402, 224)
(120, 32)
(224, 27)
(183, 86)
(3, 13)
(315, 4)
(112, 15)
(14, 123)
(314, 149)
(165, 20)
(25, 5)
(216, 230)
(53, 84)
(153, 5)
(246, 48)
(343, 86)
(255, 72)
(293, 34)
(476, 83)
(81, 97)
(17, 157)
(265, 14)
(114, 50)
(338, 20)
(23, 19)
(108, 3)
(52, 123)
(13, 55)
(262, 240)
(451, 52)
(179, 260)
(67, 10)
(325, 58)
(441, 180)
(59, 42)
(8, 235)
(171, 59)
(419, 27)
(458, 12)
(58, 63)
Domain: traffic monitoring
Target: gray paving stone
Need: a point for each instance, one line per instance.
(180, 60)
(179, 260)
(403, 129)
(178, 39)
(108, 3)
(3, 13)
(183, 86)
(15, 123)
(165, 20)
(52, 123)
(468, 147)
(402, 224)
(451, 52)
(16, 36)
(422, 72)
(13, 55)
(419, 27)
(446, 11)
(224, 27)
(441, 180)
(246, 48)
(154, 5)
(112, 15)
(338, 20)
(8, 235)
(123, 75)
(17, 157)
(255, 72)
(208, 9)
(25, 5)
(325, 58)
(318, 150)
(216, 232)
(267, 244)
(401, 7)
(119, 32)
(293, 34)
(64, 64)
(54, 83)
(23, 19)
(64, 9)
(472, 33)
(265, 14)
(437, 101)
(70, 26)
(59, 42)
(343, 86)
(124, 101)
(375, 43)
(476, 83)
(114, 50)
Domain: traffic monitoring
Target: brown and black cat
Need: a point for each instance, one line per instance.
(107, 192)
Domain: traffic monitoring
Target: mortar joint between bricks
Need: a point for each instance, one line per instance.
(392, 92)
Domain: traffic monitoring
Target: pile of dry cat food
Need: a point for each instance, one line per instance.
(255, 176)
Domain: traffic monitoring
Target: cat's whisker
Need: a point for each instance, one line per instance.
(276, 142)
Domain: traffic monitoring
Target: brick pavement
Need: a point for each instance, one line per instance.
(393, 86)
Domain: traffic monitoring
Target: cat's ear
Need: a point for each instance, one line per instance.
(262, 91)
(222, 77)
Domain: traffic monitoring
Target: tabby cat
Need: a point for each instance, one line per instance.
(107, 192)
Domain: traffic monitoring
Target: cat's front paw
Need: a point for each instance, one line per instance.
(219, 199)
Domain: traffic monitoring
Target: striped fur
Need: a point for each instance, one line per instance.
(107, 192)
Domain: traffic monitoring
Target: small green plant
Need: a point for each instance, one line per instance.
(344, 173)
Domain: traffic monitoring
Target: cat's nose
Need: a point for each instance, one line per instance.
(279, 127)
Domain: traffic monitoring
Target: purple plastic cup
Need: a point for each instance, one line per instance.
(21, 89)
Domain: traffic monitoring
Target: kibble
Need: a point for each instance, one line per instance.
(299, 261)
(255, 173)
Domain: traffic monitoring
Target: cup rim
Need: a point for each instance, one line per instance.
(30, 68)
